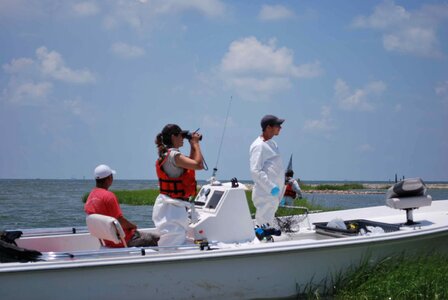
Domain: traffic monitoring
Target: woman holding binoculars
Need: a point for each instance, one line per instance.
(177, 183)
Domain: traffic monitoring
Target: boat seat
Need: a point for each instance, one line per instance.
(408, 195)
(409, 202)
(105, 228)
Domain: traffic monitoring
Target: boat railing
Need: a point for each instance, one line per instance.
(51, 231)
(105, 252)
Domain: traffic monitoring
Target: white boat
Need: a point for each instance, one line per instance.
(234, 264)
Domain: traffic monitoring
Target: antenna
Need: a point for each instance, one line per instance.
(215, 169)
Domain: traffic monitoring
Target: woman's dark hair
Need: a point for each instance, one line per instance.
(289, 173)
(163, 139)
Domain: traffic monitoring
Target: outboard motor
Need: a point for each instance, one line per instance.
(10, 252)
(408, 194)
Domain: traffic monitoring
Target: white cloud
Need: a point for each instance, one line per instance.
(384, 16)
(27, 93)
(18, 65)
(274, 13)
(85, 8)
(137, 14)
(324, 123)
(420, 41)
(359, 99)
(412, 32)
(52, 65)
(31, 81)
(127, 51)
(249, 55)
(252, 67)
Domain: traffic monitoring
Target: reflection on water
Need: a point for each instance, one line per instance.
(57, 203)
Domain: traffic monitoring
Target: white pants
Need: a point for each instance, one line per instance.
(266, 207)
(170, 217)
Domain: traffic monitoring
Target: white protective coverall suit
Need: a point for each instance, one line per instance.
(267, 172)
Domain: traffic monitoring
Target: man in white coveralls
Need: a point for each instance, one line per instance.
(267, 171)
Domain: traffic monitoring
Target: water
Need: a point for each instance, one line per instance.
(57, 203)
(364, 200)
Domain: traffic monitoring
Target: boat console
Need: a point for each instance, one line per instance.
(221, 213)
(408, 195)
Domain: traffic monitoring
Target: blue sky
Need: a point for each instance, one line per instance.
(363, 85)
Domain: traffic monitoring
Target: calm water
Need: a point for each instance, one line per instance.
(57, 203)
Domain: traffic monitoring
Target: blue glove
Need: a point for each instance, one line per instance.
(275, 191)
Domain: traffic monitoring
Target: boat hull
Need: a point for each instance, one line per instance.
(263, 271)
(238, 267)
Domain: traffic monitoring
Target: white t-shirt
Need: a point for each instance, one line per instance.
(170, 167)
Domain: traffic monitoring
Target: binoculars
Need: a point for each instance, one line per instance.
(188, 134)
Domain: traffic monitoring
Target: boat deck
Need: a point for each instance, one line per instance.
(77, 244)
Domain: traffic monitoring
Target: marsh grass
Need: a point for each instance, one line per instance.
(134, 197)
(397, 277)
(421, 277)
(333, 187)
(148, 197)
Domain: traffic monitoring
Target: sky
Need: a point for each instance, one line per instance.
(363, 85)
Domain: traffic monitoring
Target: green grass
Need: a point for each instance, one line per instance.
(335, 187)
(423, 277)
(148, 197)
(134, 197)
(410, 277)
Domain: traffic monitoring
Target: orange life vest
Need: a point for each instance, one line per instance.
(289, 191)
(181, 187)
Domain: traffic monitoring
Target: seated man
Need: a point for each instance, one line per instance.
(102, 201)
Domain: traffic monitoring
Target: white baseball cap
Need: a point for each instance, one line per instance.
(103, 171)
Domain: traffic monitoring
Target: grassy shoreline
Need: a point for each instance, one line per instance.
(148, 197)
